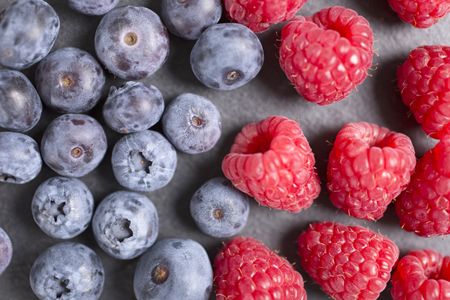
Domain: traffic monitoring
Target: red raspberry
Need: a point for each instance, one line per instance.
(369, 166)
(273, 162)
(246, 269)
(348, 262)
(424, 207)
(420, 13)
(424, 82)
(327, 55)
(422, 274)
(259, 15)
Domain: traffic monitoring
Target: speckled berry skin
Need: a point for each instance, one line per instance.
(420, 14)
(133, 107)
(67, 271)
(188, 19)
(218, 209)
(424, 207)
(272, 162)
(62, 207)
(348, 262)
(28, 31)
(144, 161)
(6, 251)
(246, 269)
(326, 56)
(20, 104)
(92, 7)
(73, 145)
(70, 80)
(260, 15)
(227, 56)
(368, 167)
(132, 42)
(425, 85)
(192, 124)
(174, 269)
(20, 160)
(421, 274)
(125, 224)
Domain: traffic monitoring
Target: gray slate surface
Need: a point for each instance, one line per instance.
(270, 93)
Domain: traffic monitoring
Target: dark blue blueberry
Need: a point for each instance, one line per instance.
(73, 145)
(93, 7)
(133, 107)
(189, 18)
(192, 123)
(227, 56)
(67, 271)
(132, 42)
(125, 224)
(6, 251)
(144, 161)
(219, 209)
(174, 269)
(20, 105)
(70, 80)
(20, 160)
(28, 31)
(62, 207)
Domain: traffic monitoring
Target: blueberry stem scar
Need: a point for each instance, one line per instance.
(160, 274)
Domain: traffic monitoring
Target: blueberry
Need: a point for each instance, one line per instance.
(70, 80)
(174, 269)
(219, 210)
(28, 31)
(132, 42)
(125, 224)
(67, 271)
(62, 207)
(20, 105)
(20, 160)
(144, 161)
(192, 123)
(73, 145)
(93, 7)
(227, 56)
(133, 107)
(189, 18)
(6, 251)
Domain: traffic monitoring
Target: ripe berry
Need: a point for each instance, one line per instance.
(419, 13)
(92, 7)
(272, 162)
(6, 251)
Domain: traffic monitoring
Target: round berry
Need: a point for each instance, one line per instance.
(227, 56)
(218, 209)
(92, 7)
(6, 251)
(133, 107)
(420, 14)
(192, 123)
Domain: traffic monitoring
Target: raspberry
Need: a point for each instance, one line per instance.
(327, 55)
(369, 166)
(422, 274)
(259, 15)
(348, 262)
(246, 269)
(424, 83)
(273, 162)
(424, 207)
(420, 13)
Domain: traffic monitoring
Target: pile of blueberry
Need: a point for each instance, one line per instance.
(132, 43)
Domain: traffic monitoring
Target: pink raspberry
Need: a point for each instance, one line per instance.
(348, 262)
(327, 55)
(422, 274)
(259, 15)
(424, 82)
(273, 162)
(369, 166)
(420, 13)
(424, 207)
